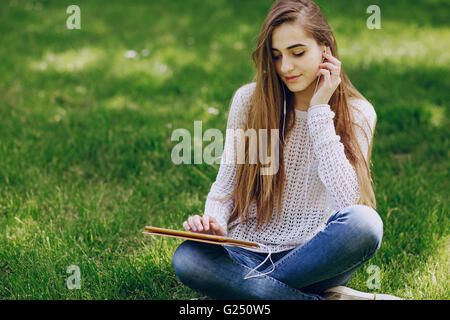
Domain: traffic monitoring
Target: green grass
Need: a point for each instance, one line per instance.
(85, 137)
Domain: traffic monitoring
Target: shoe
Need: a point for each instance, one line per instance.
(345, 293)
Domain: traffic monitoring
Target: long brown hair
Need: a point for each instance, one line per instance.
(265, 112)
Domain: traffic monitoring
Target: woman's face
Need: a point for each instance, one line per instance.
(295, 54)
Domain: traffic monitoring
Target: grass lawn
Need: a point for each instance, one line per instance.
(86, 118)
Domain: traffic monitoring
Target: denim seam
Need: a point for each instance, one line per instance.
(275, 280)
(370, 256)
(358, 264)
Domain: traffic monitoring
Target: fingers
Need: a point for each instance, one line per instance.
(333, 64)
(330, 57)
(198, 224)
(327, 76)
(205, 224)
(325, 73)
(195, 223)
(216, 227)
(331, 67)
(206, 220)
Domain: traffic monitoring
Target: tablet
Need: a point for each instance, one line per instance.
(198, 237)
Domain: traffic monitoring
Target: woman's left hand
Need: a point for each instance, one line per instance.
(330, 71)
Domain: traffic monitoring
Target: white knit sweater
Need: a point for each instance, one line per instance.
(319, 178)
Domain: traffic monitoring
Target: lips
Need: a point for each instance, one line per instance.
(293, 78)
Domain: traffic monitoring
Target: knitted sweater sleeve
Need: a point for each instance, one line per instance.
(226, 177)
(334, 169)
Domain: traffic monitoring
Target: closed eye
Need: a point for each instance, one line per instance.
(297, 55)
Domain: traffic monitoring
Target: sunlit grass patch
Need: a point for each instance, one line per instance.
(406, 45)
(70, 60)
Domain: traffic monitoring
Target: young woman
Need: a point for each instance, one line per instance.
(315, 217)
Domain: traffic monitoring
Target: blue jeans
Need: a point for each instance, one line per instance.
(351, 237)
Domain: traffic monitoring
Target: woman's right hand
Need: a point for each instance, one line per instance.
(205, 224)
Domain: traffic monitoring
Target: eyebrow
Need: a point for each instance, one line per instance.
(290, 47)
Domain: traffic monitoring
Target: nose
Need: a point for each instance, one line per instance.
(286, 65)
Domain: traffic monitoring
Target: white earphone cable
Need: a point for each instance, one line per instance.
(269, 254)
(255, 269)
(284, 98)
